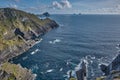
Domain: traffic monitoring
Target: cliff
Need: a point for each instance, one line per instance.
(18, 32)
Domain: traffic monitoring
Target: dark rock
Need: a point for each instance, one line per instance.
(19, 32)
(104, 69)
(81, 73)
(46, 14)
(113, 66)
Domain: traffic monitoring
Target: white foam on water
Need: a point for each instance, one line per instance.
(50, 70)
(90, 57)
(38, 41)
(64, 75)
(102, 60)
(93, 57)
(118, 46)
(35, 51)
(74, 73)
(68, 73)
(89, 60)
(61, 69)
(78, 67)
(61, 25)
(42, 72)
(34, 68)
(32, 52)
(24, 58)
(67, 63)
(35, 75)
(50, 42)
(73, 64)
(55, 41)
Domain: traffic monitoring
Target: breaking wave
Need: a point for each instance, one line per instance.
(55, 41)
(37, 50)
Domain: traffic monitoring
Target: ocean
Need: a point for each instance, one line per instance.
(93, 38)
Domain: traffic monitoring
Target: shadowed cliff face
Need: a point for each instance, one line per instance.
(18, 32)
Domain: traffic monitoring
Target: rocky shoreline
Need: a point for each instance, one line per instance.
(19, 32)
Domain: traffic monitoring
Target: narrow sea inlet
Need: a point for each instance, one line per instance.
(93, 38)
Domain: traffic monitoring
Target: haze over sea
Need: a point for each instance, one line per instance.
(94, 38)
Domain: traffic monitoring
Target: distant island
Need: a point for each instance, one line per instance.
(45, 14)
(19, 31)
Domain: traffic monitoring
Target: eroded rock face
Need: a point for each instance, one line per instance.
(18, 32)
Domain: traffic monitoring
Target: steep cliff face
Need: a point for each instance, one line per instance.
(19, 31)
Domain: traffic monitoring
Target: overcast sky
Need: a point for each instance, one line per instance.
(65, 6)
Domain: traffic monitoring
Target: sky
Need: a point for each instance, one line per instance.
(65, 6)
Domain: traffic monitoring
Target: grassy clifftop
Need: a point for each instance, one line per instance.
(19, 31)
(15, 72)
(28, 24)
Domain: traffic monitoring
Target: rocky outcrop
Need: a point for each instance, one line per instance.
(18, 32)
(15, 72)
(81, 73)
(111, 71)
(113, 66)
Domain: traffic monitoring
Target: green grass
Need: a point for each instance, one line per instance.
(9, 23)
(14, 70)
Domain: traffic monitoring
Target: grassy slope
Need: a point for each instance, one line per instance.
(11, 19)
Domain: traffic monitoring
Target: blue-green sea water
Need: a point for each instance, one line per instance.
(94, 38)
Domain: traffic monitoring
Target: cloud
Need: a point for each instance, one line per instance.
(109, 10)
(62, 4)
(57, 5)
(13, 6)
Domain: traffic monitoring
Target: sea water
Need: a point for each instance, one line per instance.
(93, 38)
